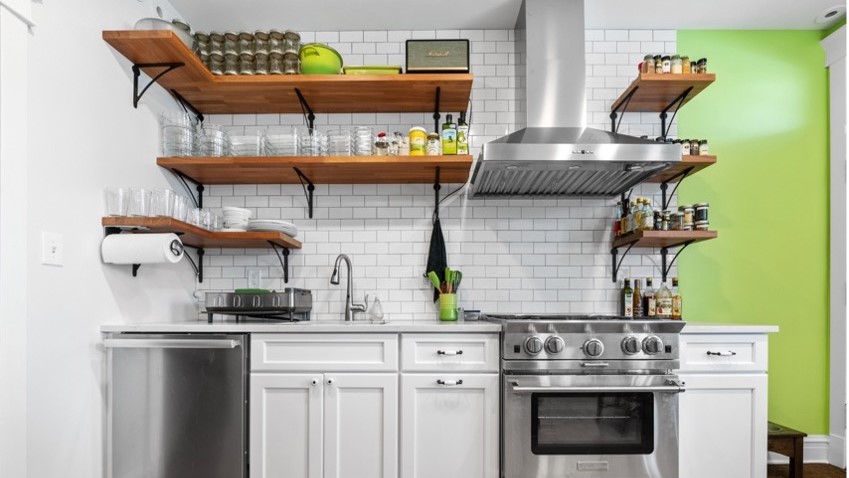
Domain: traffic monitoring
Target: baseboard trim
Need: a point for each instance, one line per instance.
(837, 451)
(816, 449)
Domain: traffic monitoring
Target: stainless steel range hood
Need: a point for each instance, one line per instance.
(554, 153)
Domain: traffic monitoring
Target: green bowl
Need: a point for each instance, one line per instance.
(318, 59)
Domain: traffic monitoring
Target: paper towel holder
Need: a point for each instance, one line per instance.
(197, 267)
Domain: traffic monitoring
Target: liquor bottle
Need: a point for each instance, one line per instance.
(664, 301)
(649, 300)
(449, 136)
(676, 300)
(462, 134)
(638, 300)
(627, 299)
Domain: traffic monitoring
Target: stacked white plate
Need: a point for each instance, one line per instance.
(236, 218)
(273, 225)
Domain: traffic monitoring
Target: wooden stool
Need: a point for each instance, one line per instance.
(787, 442)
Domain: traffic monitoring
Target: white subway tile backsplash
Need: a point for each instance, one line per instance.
(552, 255)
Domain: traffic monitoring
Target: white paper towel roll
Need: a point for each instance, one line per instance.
(141, 249)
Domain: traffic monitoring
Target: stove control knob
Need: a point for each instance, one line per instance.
(630, 345)
(593, 347)
(533, 345)
(652, 345)
(554, 345)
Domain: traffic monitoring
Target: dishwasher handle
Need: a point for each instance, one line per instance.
(171, 343)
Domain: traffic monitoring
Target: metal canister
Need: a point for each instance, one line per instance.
(418, 141)
(687, 217)
(701, 212)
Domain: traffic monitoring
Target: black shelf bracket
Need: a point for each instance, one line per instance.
(284, 260)
(677, 102)
(436, 188)
(197, 267)
(666, 199)
(305, 107)
(137, 73)
(664, 251)
(617, 265)
(614, 113)
(436, 115)
(309, 189)
(198, 200)
(187, 106)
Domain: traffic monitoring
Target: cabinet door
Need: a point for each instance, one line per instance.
(449, 425)
(361, 425)
(723, 419)
(286, 425)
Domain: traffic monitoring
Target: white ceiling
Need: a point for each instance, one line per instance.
(341, 15)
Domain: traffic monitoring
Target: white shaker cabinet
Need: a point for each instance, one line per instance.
(449, 406)
(723, 412)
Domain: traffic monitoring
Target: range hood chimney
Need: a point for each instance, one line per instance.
(554, 153)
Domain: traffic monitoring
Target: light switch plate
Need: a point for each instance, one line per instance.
(52, 250)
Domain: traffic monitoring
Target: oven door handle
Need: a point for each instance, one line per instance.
(672, 386)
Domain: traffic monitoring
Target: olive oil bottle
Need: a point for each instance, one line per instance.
(462, 134)
(649, 301)
(638, 300)
(627, 299)
(676, 300)
(449, 136)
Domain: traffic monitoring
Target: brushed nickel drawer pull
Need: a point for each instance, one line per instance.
(722, 354)
(449, 352)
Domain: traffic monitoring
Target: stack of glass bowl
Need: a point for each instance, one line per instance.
(251, 144)
(178, 135)
(214, 141)
(363, 140)
(312, 142)
(281, 141)
(339, 142)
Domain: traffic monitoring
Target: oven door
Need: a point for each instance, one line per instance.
(611, 426)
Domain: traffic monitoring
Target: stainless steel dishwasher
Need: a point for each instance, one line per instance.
(177, 405)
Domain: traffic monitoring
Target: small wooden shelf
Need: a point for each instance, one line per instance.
(212, 94)
(663, 238)
(656, 92)
(321, 169)
(698, 163)
(198, 237)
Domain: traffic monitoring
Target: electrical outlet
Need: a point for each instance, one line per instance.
(52, 250)
(254, 278)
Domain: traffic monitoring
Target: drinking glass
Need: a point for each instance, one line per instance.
(163, 202)
(139, 204)
(117, 201)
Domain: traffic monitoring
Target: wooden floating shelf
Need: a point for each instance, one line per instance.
(199, 237)
(656, 92)
(321, 169)
(663, 238)
(244, 94)
(698, 163)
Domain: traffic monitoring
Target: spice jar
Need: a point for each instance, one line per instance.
(201, 44)
(246, 43)
(418, 141)
(685, 147)
(677, 65)
(290, 64)
(231, 64)
(275, 42)
(403, 145)
(666, 63)
(648, 64)
(216, 63)
(231, 44)
(685, 64)
(261, 64)
(658, 64)
(658, 221)
(678, 221)
(701, 212)
(687, 213)
(434, 144)
(246, 64)
(664, 220)
(216, 44)
(694, 147)
(702, 66)
(293, 42)
(261, 42)
(381, 145)
(275, 64)
(703, 148)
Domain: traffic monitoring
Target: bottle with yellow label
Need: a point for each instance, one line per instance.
(418, 141)
(677, 304)
(449, 136)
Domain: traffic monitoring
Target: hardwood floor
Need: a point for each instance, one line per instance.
(811, 471)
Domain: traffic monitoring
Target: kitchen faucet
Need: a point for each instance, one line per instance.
(350, 306)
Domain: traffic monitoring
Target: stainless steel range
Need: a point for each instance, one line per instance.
(589, 396)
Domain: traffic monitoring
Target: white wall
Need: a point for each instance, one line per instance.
(517, 255)
(13, 240)
(84, 135)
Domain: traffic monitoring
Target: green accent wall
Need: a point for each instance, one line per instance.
(766, 119)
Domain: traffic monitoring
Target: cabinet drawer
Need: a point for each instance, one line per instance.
(724, 352)
(324, 352)
(455, 352)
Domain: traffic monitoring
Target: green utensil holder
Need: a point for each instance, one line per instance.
(448, 307)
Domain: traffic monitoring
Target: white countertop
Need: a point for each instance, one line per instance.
(257, 326)
(714, 328)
